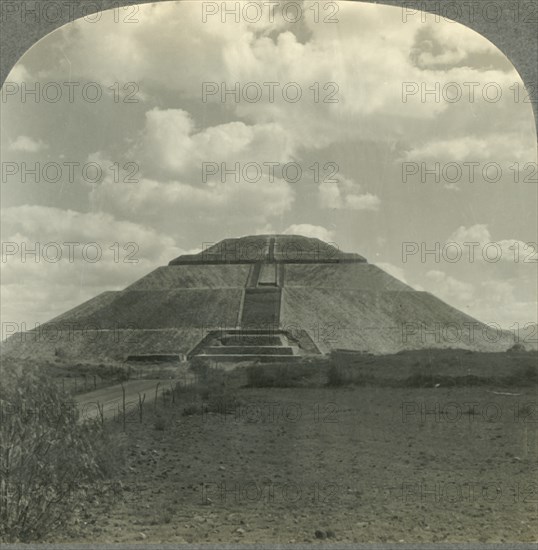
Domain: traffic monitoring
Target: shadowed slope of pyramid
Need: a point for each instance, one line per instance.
(277, 296)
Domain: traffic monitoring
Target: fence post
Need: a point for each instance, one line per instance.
(123, 402)
(156, 394)
(101, 409)
(140, 405)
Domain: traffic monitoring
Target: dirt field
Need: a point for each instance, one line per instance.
(362, 464)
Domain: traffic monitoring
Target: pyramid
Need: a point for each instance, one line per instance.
(263, 297)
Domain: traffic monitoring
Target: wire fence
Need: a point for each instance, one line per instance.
(128, 406)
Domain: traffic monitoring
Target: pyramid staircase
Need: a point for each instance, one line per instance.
(237, 345)
(259, 337)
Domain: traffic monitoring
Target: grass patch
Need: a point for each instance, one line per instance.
(527, 375)
(214, 391)
(340, 375)
(428, 380)
(277, 375)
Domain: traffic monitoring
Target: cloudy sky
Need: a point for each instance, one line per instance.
(152, 130)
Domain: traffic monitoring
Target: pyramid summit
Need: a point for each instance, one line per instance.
(269, 248)
(263, 297)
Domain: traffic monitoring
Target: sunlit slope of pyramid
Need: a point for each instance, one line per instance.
(264, 296)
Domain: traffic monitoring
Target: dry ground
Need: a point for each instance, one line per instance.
(356, 464)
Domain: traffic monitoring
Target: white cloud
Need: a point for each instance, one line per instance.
(449, 288)
(44, 224)
(449, 45)
(475, 233)
(512, 251)
(27, 145)
(174, 195)
(366, 201)
(365, 62)
(367, 56)
(39, 286)
(308, 230)
(492, 301)
(171, 145)
(329, 195)
(180, 208)
(501, 147)
(499, 304)
(344, 193)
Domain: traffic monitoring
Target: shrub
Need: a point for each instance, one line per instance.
(213, 391)
(275, 375)
(522, 376)
(46, 456)
(159, 424)
(192, 409)
(222, 403)
(518, 347)
(335, 376)
(425, 380)
(338, 375)
(201, 367)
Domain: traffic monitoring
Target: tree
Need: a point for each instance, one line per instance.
(47, 456)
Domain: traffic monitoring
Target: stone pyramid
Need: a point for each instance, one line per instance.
(263, 297)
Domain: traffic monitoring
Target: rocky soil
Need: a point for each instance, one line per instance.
(348, 465)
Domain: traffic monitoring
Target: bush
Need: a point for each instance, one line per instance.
(192, 409)
(200, 367)
(517, 348)
(222, 403)
(523, 376)
(338, 375)
(419, 380)
(335, 376)
(274, 375)
(213, 391)
(46, 456)
(159, 424)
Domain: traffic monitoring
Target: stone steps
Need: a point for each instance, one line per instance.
(250, 350)
(252, 357)
(234, 345)
(261, 306)
(154, 358)
(252, 340)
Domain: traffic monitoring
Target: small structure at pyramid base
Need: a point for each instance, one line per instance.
(262, 298)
